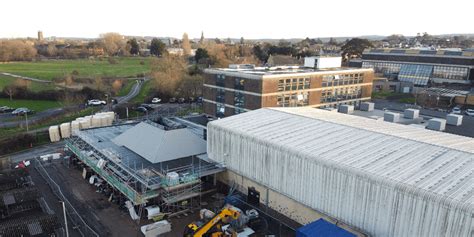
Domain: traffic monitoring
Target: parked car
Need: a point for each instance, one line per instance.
(6, 109)
(172, 100)
(469, 112)
(191, 99)
(181, 100)
(456, 110)
(199, 99)
(22, 111)
(96, 102)
(141, 109)
(155, 100)
(148, 107)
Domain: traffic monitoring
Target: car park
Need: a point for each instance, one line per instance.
(192, 99)
(22, 111)
(181, 100)
(155, 100)
(469, 112)
(96, 102)
(172, 100)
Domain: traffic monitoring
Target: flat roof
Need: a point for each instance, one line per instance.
(421, 160)
(421, 52)
(280, 71)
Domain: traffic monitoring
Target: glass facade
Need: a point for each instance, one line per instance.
(416, 74)
(340, 94)
(293, 99)
(292, 84)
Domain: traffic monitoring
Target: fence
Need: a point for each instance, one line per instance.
(76, 219)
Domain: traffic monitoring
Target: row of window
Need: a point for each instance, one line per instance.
(293, 99)
(238, 84)
(220, 110)
(341, 81)
(293, 84)
(340, 94)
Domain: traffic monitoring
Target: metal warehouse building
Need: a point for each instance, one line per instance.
(384, 179)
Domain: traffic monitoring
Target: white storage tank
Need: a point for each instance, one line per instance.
(74, 127)
(346, 109)
(54, 133)
(411, 113)
(436, 124)
(89, 120)
(65, 130)
(83, 123)
(367, 106)
(454, 119)
(103, 120)
(391, 117)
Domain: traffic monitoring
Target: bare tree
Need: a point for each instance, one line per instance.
(98, 83)
(167, 73)
(114, 43)
(116, 86)
(51, 50)
(17, 50)
(186, 45)
(10, 90)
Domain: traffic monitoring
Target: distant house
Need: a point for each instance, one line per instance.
(180, 51)
(276, 60)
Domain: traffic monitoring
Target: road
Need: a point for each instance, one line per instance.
(35, 152)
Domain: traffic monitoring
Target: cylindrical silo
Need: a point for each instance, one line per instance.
(54, 133)
(65, 130)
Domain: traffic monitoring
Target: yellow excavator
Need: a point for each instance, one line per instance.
(213, 228)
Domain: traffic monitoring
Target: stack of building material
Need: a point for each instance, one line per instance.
(95, 121)
(454, 119)
(54, 133)
(65, 130)
(74, 127)
(367, 106)
(436, 124)
(83, 123)
(89, 120)
(411, 113)
(346, 109)
(391, 117)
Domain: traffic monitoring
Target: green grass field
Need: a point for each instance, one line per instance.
(51, 69)
(36, 105)
(32, 85)
(140, 98)
(126, 89)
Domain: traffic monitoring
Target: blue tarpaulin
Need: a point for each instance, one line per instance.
(322, 228)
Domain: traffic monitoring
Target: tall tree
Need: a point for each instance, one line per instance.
(354, 48)
(201, 54)
(157, 47)
(167, 73)
(186, 45)
(134, 47)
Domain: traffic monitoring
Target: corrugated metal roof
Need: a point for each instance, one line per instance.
(158, 145)
(431, 161)
(387, 179)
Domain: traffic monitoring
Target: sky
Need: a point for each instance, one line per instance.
(251, 19)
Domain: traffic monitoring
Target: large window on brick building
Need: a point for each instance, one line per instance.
(220, 95)
(239, 100)
(342, 79)
(220, 80)
(239, 84)
(220, 110)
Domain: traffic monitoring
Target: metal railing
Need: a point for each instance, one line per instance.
(79, 223)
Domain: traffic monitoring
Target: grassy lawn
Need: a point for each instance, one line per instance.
(36, 105)
(146, 88)
(32, 85)
(50, 69)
